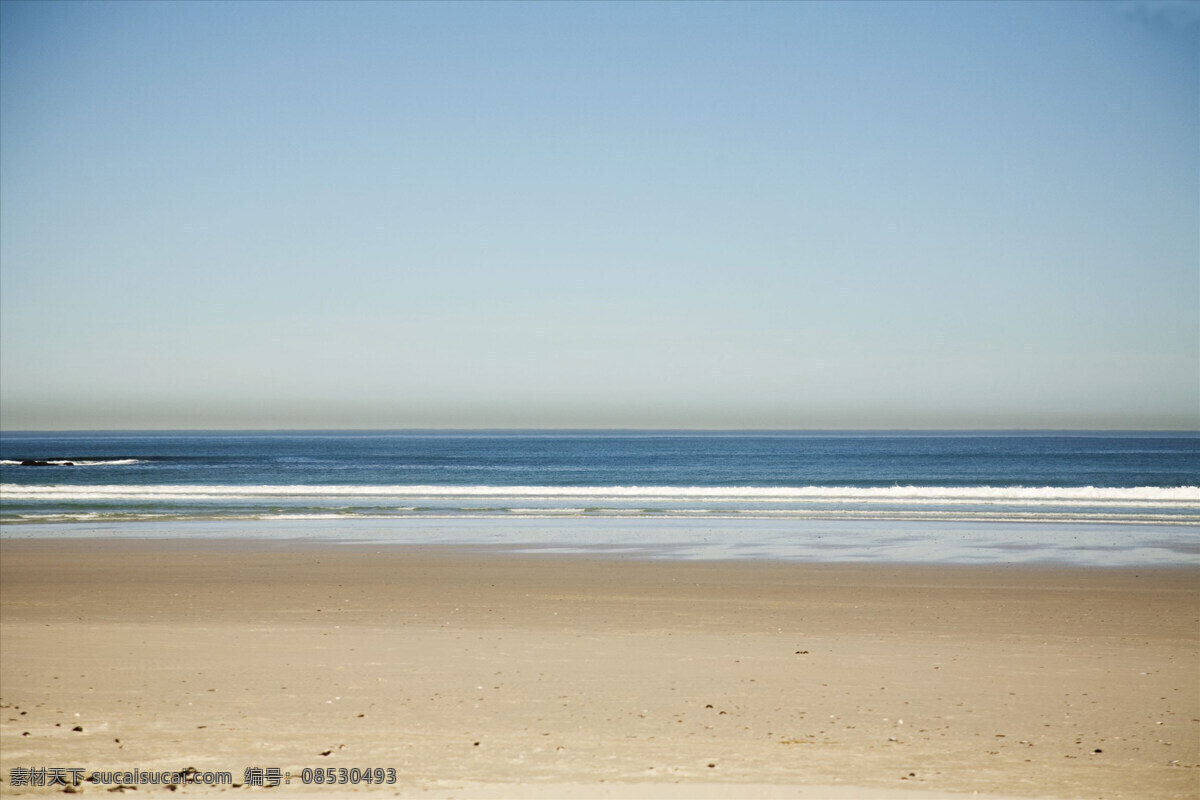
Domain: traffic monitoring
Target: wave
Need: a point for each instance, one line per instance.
(1172, 505)
(71, 462)
(1176, 496)
(926, 515)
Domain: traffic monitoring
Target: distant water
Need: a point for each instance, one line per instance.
(1132, 478)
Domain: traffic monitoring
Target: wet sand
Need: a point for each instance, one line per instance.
(477, 673)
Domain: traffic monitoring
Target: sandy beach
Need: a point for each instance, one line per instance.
(477, 673)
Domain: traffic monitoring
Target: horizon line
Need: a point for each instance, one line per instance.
(626, 429)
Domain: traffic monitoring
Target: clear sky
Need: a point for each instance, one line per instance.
(669, 215)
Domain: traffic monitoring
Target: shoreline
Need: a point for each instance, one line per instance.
(598, 676)
(1064, 544)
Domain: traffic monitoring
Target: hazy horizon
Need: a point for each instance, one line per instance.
(658, 216)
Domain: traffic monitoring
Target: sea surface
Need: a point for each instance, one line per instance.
(796, 494)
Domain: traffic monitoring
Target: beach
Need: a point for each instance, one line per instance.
(472, 671)
(610, 401)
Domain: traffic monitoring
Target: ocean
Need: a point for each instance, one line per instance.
(586, 487)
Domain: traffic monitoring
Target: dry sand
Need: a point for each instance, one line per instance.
(474, 673)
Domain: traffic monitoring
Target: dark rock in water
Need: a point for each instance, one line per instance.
(37, 462)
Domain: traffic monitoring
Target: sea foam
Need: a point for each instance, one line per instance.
(1188, 496)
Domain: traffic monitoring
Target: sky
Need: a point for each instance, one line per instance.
(599, 215)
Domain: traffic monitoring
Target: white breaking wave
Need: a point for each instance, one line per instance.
(70, 462)
(1175, 497)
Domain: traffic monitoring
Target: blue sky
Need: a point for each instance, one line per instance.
(670, 215)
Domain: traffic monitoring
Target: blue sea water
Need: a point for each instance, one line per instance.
(1142, 478)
